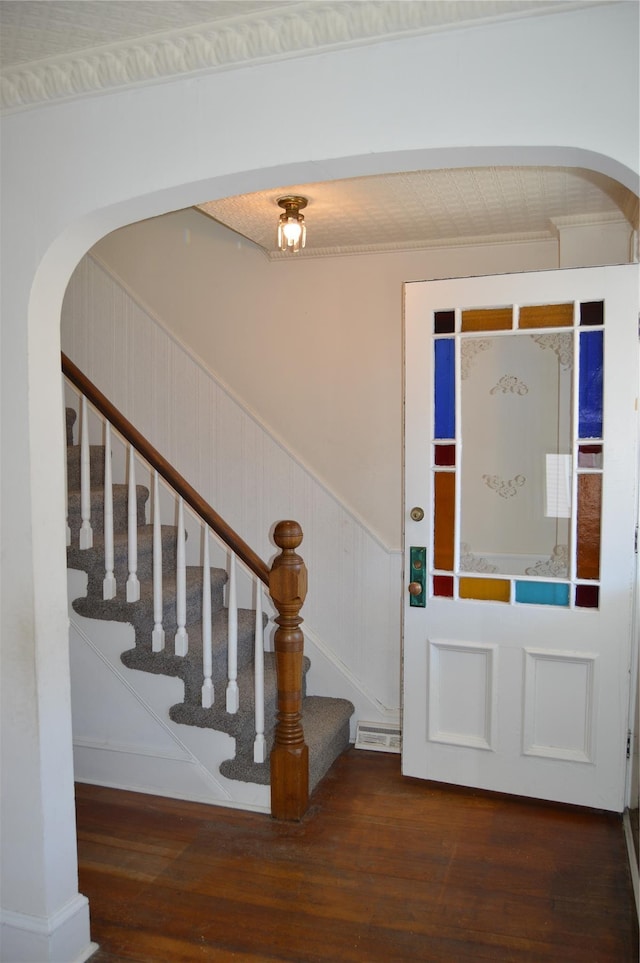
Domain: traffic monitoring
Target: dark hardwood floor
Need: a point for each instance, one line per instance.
(382, 868)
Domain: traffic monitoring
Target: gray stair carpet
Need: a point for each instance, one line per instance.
(325, 720)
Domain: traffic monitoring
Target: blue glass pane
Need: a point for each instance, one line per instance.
(445, 389)
(590, 403)
(542, 593)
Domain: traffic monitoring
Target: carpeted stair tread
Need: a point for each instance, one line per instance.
(189, 667)
(120, 509)
(140, 613)
(91, 560)
(325, 722)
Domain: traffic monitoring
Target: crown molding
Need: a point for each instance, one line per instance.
(293, 30)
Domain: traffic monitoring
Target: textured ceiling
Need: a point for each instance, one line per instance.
(422, 209)
(52, 50)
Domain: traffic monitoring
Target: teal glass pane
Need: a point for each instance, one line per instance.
(542, 593)
(445, 388)
(590, 390)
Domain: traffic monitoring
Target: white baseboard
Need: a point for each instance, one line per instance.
(62, 937)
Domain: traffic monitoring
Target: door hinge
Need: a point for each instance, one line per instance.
(628, 743)
(635, 541)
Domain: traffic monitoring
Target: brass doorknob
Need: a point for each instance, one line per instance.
(415, 588)
(417, 514)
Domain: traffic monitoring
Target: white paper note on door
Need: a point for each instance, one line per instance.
(558, 489)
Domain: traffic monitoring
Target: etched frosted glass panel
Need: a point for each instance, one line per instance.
(515, 460)
(590, 391)
(445, 388)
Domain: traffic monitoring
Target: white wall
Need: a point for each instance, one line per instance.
(74, 171)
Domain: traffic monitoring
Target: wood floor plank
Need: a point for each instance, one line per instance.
(382, 868)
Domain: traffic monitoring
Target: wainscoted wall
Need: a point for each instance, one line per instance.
(352, 613)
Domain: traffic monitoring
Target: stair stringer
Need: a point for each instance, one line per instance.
(138, 748)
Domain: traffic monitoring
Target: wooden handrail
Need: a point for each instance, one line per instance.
(164, 468)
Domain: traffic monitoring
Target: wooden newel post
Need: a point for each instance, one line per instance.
(290, 754)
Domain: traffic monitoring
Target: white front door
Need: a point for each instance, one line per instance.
(520, 477)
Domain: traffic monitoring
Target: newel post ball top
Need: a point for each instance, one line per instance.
(288, 576)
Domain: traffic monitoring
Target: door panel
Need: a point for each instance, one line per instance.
(520, 434)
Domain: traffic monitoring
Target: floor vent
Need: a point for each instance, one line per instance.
(378, 736)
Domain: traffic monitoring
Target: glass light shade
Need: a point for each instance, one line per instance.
(292, 233)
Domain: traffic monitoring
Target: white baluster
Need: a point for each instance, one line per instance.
(109, 581)
(207, 656)
(157, 636)
(182, 638)
(233, 696)
(86, 532)
(133, 585)
(259, 745)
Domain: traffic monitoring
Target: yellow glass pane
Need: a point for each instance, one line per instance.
(486, 589)
(546, 316)
(445, 495)
(487, 319)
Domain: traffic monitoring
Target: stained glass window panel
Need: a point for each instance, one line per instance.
(542, 593)
(487, 319)
(485, 589)
(445, 455)
(444, 322)
(589, 509)
(444, 510)
(443, 586)
(546, 316)
(445, 389)
(587, 596)
(590, 390)
(591, 313)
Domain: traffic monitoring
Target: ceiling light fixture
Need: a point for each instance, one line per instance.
(292, 232)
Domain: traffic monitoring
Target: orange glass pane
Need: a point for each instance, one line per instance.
(546, 316)
(444, 508)
(487, 319)
(589, 509)
(486, 589)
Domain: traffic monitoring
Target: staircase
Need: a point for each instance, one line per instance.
(325, 720)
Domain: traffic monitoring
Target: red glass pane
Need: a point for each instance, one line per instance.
(445, 455)
(443, 586)
(587, 596)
